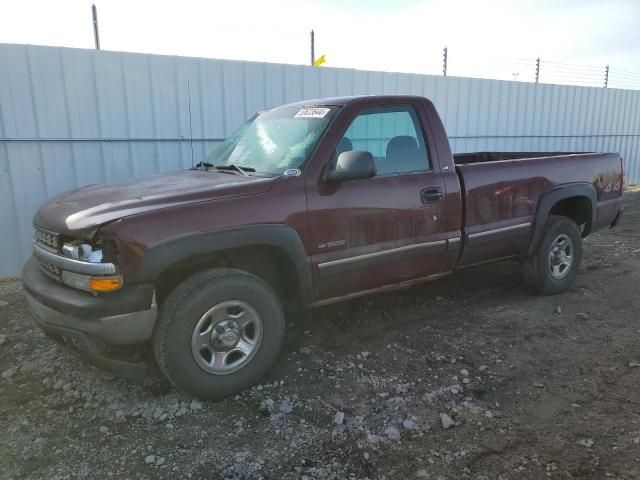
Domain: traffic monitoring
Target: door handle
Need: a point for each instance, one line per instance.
(431, 195)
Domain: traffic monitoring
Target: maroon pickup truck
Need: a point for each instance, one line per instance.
(306, 204)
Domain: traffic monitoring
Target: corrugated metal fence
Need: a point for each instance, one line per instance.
(71, 117)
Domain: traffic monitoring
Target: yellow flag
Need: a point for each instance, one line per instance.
(322, 60)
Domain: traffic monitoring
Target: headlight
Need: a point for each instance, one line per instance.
(83, 252)
(93, 253)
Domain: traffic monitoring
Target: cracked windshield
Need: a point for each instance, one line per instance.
(275, 140)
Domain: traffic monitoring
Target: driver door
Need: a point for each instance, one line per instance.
(384, 230)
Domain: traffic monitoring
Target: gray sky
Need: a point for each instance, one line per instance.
(488, 38)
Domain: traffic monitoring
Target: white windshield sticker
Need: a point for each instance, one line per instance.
(312, 112)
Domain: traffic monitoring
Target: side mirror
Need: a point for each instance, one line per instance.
(352, 165)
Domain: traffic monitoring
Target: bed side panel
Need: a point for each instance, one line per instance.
(501, 198)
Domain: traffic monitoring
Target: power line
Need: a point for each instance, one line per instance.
(625, 75)
(627, 71)
(577, 74)
(575, 65)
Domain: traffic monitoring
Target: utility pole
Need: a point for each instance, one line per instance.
(444, 62)
(606, 76)
(313, 48)
(96, 35)
(538, 70)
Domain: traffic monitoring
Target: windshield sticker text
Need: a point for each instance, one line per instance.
(312, 112)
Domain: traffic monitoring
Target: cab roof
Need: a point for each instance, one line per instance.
(346, 100)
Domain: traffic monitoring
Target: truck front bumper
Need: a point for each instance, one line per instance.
(84, 322)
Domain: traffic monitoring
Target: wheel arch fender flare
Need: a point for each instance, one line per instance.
(159, 258)
(550, 199)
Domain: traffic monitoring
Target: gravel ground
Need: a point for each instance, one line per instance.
(469, 377)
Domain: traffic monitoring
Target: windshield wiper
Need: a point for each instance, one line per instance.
(242, 170)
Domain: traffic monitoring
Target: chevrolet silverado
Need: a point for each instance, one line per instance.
(306, 204)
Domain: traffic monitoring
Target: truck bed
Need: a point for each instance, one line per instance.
(481, 157)
(501, 192)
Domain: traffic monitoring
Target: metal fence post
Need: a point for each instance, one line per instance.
(96, 35)
(606, 76)
(313, 46)
(444, 62)
(538, 70)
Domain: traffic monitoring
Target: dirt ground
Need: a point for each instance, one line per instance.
(534, 387)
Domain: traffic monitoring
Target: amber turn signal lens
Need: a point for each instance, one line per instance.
(105, 284)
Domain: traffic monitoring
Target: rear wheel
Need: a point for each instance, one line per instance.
(554, 266)
(218, 332)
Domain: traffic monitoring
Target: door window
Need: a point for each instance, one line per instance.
(392, 135)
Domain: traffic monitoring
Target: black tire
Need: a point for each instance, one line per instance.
(183, 309)
(536, 269)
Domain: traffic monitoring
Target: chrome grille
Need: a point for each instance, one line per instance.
(48, 240)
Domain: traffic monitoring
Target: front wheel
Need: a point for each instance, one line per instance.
(218, 332)
(554, 266)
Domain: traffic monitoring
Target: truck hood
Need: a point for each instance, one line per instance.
(79, 212)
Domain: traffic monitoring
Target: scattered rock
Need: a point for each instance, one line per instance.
(267, 406)
(447, 421)
(558, 309)
(582, 316)
(96, 401)
(392, 433)
(585, 442)
(285, 407)
(3, 303)
(409, 424)
(374, 439)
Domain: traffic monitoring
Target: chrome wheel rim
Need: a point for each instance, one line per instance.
(226, 337)
(560, 256)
